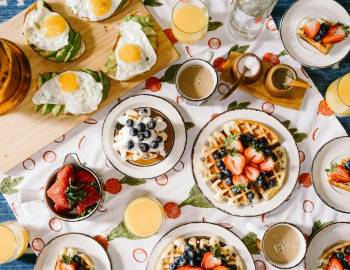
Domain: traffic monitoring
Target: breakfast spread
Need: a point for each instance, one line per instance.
(50, 35)
(74, 192)
(339, 174)
(70, 92)
(135, 50)
(321, 33)
(144, 136)
(243, 162)
(96, 10)
(200, 253)
(336, 257)
(73, 259)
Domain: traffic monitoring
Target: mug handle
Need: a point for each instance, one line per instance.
(29, 195)
(258, 230)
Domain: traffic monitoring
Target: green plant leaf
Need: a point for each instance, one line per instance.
(189, 125)
(131, 181)
(236, 106)
(237, 48)
(75, 195)
(293, 130)
(317, 226)
(169, 75)
(121, 232)
(251, 240)
(8, 184)
(286, 123)
(197, 199)
(214, 25)
(299, 137)
(152, 3)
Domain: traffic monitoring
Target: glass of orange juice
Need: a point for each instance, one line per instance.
(190, 20)
(13, 241)
(338, 96)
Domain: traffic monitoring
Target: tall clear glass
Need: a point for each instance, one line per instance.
(247, 17)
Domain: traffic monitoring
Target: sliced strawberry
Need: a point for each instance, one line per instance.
(271, 58)
(340, 174)
(63, 266)
(57, 194)
(103, 241)
(267, 165)
(59, 208)
(209, 261)
(84, 177)
(188, 267)
(91, 198)
(221, 267)
(240, 180)
(251, 173)
(252, 155)
(65, 175)
(113, 186)
(336, 33)
(311, 28)
(235, 164)
(347, 258)
(172, 210)
(334, 264)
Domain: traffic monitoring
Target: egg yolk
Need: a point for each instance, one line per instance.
(68, 82)
(100, 7)
(130, 53)
(55, 25)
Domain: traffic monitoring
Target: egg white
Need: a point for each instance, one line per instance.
(131, 33)
(35, 32)
(82, 8)
(84, 100)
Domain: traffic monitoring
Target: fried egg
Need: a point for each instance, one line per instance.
(93, 10)
(45, 29)
(134, 52)
(76, 90)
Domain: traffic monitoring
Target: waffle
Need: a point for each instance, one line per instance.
(323, 48)
(223, 190)
(344, 186)
(329, 253)
(177, 249)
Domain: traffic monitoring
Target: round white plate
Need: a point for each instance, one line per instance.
(326, 237)
(48, 255)
(162, 106)
(300, 50)
(200, 229)
(334, 150)
(287, 142)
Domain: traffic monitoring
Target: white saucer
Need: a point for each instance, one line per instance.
(334, 197)
(287, 142)
(200, 229)
(48, 256)
(326, 237)
(160, 105)
(300, 50)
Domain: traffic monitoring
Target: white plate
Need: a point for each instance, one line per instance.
(286, 140)
(48, 256)
(200, 229)
(325, 238)
(300, 50)
(162, 106)
(334, 150)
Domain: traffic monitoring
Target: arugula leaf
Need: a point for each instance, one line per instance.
(75, 195)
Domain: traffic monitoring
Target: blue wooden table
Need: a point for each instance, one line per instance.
(321, 77)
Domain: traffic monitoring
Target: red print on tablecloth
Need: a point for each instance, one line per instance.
(170, 35)
(219, 63)
(55, 224)
(301, 156)
(315, 134)
(268, 107)
(270, 24)
(223, 88)
(139, 255)
(178, 99)
(90, 121)
(324, 109)
(60, 139)
(162, 180)
(103, 241)
(153, 84)
(101, 208)
(225, 225)
(28, 164)
(49, 156)
(214, 43)
(308, 206)
(189, 52)
(305, 180)
(82, 142)
(172, 210)
(214, 115)
(37, 244)
(272, 58)
(113, 186)
(15, 209)
(179, 166)
(264, 217)
(260, 265)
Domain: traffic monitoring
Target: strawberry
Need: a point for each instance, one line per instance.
(240, 180)
(267, 165)
(252, 155)
(221, 267)
(336, 33)
(324, 109)
(334, 264)
(113, 186)
(60, 208)
(172, 210)
(188, 267)
(65, 175)
(57, 194)
(153, 84)
(91, 198)
(63, 266)
(305, 179)
(347, 258)
(235, 164)
(339, 174)
(272, 58)
(251, 173)
(219, 64)
(103, 241)
(209, 261)
(170, 35)
(311, 28)
(84, 177)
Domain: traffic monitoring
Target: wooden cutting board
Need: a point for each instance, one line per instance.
(24, 132)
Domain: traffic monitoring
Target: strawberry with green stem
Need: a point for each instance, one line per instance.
(273, 58)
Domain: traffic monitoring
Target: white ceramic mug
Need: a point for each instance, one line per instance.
(280, 246)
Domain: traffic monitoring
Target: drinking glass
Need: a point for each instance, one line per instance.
(338, 96)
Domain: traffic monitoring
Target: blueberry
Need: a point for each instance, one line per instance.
(154, 144)
(147, 133)
(250, 195)
(133, 131)
(268, 151)
(198, 260)
(144, 110)
(339, 256)
(227, 173)
(217, 155)
(221, 175)
(140, 137)
(269, 174)
(192, 262)
(129, 123)
(144, 147)
(246, 139)
(220, 165)
(228, 181)
(182, 262)
(159, 139)
(188, 248)
(223, 152)
(347, 165)
(347, 250)
(274, 157)
(272, 183)
(323, 30)
(318, 37)
(261, 180)
(233, 267)
(151, 124)
(130, 145)
(190, 254)
(141, 127)
(172, 266)
(119, 126)
(236, 190)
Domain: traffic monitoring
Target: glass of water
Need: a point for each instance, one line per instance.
(247, 17)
